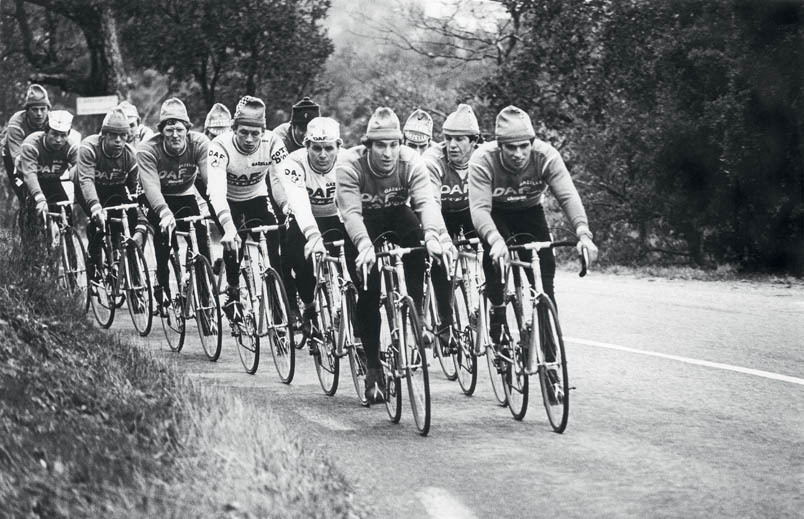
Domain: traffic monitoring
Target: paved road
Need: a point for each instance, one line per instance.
(689, 402)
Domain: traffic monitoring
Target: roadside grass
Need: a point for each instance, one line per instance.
(93, 426)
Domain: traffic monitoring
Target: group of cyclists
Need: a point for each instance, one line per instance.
(397, 179)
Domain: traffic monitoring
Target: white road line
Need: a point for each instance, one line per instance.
(697, 362)
(440, 504)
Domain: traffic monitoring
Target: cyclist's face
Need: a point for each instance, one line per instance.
(55, 139)
(175, 136)
(37, 114)
(248, 137)
(516, 154)
(418, 148)
(459, 148)
(114, 142)
(322, 155)
(298, 132)
(384, 155)
(132, 129)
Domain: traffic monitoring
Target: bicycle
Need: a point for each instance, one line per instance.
(535, 344)
(192, 294)
(72, 262)
(121, 274)
(402, 353)
(335, 303)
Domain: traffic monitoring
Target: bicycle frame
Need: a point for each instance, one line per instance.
(186, 287)
(340, 278)
(263, 264)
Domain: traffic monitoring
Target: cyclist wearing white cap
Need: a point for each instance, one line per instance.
(138, 132)
(45, 157)
(218, 121)
(241, 163)
(32, 118)
(418, 131)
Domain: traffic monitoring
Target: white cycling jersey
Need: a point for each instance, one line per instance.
(320, 186)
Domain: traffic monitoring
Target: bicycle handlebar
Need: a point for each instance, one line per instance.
(539, 245)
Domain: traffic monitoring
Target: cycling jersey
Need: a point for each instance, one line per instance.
(320, 186)
(164, 174)
(99, 175)
(360, 188)
(237, 176)
(42, 168)
(493, 184)
(17, 129)
(450, 182)
(284, 132)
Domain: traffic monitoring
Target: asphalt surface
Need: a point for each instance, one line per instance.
(689, 402)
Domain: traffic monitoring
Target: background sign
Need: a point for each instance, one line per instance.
(94, 105)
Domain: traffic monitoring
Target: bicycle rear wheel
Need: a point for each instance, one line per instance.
(172, 314)
(74, 264)
(246, 333)
(357, 357)
(515, 379)
(276, 315)
(102, 289)
(465, 359)
(207, 308)
(415, 359)
(390, 355)
(553, 365)
(327, 364)
(138, 289)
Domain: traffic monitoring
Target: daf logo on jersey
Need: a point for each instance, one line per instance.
(294, 176)
(109, 174)
(456, 191)
(320, 196)
(50, 170)
(245, 179)
(184, 173)
(215, 158)
(515, 193)
(389, 197)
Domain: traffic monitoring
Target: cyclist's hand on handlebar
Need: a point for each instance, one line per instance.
(450, 253)
(499, 252)
(167, 223)
(99, 217)
(434, 248)
(230, 239)
(366, 258)
(314, 245)
(41, 206)
(585, 242)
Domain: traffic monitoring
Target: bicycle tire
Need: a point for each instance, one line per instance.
(279, 332)
(139, 296)
(515, 378)
(327, 364)
(348, 341)
(495, 377)
(416, 372)
(465, 359)
(174, 323)
(75, 265)
(390, 366)
(246, 333)
(207, 308)
(555, 392)
(445, 358)
(102, 291)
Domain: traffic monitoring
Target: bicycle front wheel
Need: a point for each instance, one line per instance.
(513, 361)
(445, 353)
(357, 356)
(171, 307)
(552, 365)
(207, 307)
(276, 315)
(465, 359)
(138, 289)
(327, 364)
(246, 333)
(390, 356)
(415, 360)
(74, 264)
(494, 362)
(102, 289)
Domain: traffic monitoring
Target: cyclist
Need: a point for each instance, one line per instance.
(106, 174)
(218, 121)
(383, 186)
(171, 164)
(315, 163)
(507, 181)
(45, 157)
(448, 165)
(32, 118)
(241, 163)
(138, 132)
(418, 131)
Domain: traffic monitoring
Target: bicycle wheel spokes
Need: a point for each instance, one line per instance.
(75, 265)
(389, 355)
(443, 352)
(327, 364)
(278, 331)
(245, 332)
(138, 289)
(102, 290)
(552, 366)
(495, 363)
(416, 369)
(171, 309)
(357, 356)
(207, 308)
(515, 379)
(464, 358)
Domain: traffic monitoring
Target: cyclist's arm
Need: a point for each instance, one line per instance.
(149, 180)
(27, 168)
(558, 178)
(435, 179)
(293, 184)
(133, 175)
(480, 199)
(423, 201)
(202, 162)
(85, 171)
(217, 163)
(279, 154)
(350, 204)
(15, 135)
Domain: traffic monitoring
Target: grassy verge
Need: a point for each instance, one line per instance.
(94, 427)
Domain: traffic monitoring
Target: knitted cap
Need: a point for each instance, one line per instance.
(250, 111)
(383, 124)
(218, 117)
(461, 122)
(116, 121)
(419, 127)
(513, 125)
(173, 108)
(130, 110)
(60, 120)
(323, 129)
(36, 95)
(303, 111)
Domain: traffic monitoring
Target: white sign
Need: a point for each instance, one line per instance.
(94, 105)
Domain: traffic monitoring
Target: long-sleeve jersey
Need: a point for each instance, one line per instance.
(17, 129)
(360, 188)
(164, 174)
(286, 134)
(320, 186)
(450, 183)
(99, 175)
(492, 184)
(42, 168)
(237, 176)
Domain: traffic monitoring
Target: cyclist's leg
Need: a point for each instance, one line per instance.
(407, 227)
(533, 221)
(494, 288)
